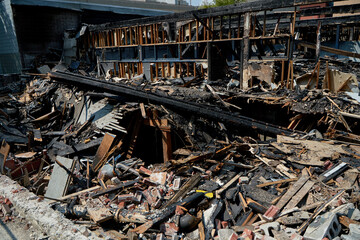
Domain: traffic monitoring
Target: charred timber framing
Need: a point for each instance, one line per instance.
(193, 108)
(176, 45)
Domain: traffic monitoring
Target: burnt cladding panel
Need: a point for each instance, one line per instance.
(40, 28)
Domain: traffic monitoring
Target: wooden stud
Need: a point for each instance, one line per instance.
(163, 70)
(113, 38)
(288, 74)
(151, 34)
(128, 70)
(182, 34)
(174, 74)
(264, 24)
(133, 69)
(155, 33)
(194, 69)
(157, 71)
(189, 26)
(130, 36)
(197, 30)
(146, 34)
(187, 70)
(163, 35)
(120, 70)
(120, 37)
(126, 40)
(246, 49)
(212, 28)
(151, 73)
(97, 39)
(207, 30)
(168, 70)
(180, 69)
(124, 69)
(140, 35)
(328, 76)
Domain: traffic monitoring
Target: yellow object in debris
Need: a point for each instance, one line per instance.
(87, 140)
(207, 194)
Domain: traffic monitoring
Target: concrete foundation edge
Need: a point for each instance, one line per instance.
(53, 223)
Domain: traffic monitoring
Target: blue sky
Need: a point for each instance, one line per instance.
(195, 2)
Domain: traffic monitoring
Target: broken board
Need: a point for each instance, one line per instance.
(103, 149)
(60, 179)
(308, 152)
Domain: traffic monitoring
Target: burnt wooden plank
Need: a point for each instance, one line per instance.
(104, 148)
(300, 195)
(292, 191)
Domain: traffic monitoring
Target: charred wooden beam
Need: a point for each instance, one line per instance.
(191, 107)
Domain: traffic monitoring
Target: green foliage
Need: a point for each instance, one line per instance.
(218, 3)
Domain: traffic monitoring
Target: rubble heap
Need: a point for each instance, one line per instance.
(131, 169)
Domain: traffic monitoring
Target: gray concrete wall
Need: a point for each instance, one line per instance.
(9, 52)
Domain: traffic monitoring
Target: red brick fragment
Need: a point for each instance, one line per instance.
(271, 213)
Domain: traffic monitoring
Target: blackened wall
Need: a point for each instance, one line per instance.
(41, 28)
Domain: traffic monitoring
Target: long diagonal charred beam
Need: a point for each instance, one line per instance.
(173, 103)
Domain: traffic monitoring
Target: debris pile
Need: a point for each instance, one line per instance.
(131, 169)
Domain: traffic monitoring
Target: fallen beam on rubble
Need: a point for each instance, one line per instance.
(191, 107)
